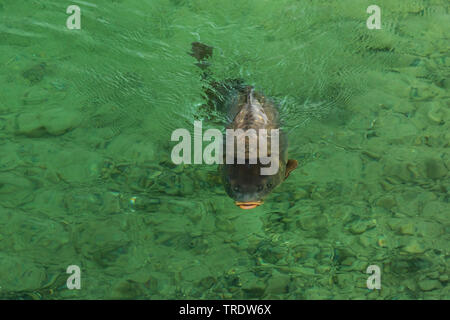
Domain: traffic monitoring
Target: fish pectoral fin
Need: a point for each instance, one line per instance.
(290, 166)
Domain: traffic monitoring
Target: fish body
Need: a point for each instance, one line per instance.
(245, 183)
(248, 112)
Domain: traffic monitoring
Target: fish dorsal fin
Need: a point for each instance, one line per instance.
(248, 92)
(250, 96)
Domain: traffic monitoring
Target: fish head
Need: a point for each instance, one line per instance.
(245, 184)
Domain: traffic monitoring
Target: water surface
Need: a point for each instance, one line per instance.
(86, 177)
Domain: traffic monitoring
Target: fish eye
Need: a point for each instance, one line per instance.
(269, 185)
(236, 188)
(260, 187)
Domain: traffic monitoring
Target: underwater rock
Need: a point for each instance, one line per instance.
(372, 154)
(434, 139)
(3, 125)
(111, 203)
(413, 71)
(225, 225)
(401, 226)
(317, 293)
(435, 168)
(342, 213)
(253, 286)
(311, 218)
(359, 265)
(281, 197)
(35, 96)
(19, 274)
(422, 91)
(149, 282)
(345, 280)
(368, 239)
(411, 201)
(178, 169)
(136, 148)
(11, 183)
(51, 176)
(400, 166)
(195, 216)
(443, 277)
(54, 122)
(348, 261)
(433, 275)
(138, 178)
(403, 106)
(428, 285)
(271, 254)
(15, 190)
(310, 271)
(76, 164)
(36, 73)
(207, 282)
(436, 210)
(388, 202)
(360, 226)
(395, 128)
(280, 206)
(301, 193)
(187, 186)
(387, 185)
(278, 283)
(127, 289)
(104, 243)
(407, 229)
(428, 229)
(413, 247)
(248, 224)
(436, 113)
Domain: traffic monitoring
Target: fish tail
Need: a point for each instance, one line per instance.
(216, 92)
(202, 53)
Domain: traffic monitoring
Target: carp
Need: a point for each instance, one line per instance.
(252, 117)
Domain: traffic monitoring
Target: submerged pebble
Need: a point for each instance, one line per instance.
(435, 168)
(278, 283)
(428, 284)
(53, 122)
(414, 247)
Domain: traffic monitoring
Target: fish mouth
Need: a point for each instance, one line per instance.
(249, 204)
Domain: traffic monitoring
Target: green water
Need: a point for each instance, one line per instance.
(86, 176)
